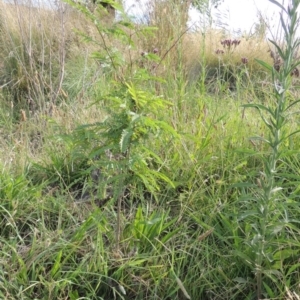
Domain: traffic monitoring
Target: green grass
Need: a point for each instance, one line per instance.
(172, 215)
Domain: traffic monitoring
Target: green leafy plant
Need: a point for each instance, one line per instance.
(268, 208)
(122, 144)
(146, 230)
(125, 158)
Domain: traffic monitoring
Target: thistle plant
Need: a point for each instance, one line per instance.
(269, 209)
(227, 71)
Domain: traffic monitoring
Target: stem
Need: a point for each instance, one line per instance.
(203, 65)
(124, 172)
(118, 229)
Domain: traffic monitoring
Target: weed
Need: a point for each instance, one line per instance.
(269, 216)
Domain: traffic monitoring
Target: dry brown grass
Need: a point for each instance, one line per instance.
(48, 25)
(249, 48)
(175, 45)
(35, 43)
(180, 48)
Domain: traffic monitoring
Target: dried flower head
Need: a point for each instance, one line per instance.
(272, 54)
(244, 60)
(295, 72)
(155, 50)
(228, 43)
(276, 66)
(218, 51)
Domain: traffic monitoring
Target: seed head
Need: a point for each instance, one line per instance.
(244, 60)
(218, 51)
(295, 73)
(228, 43)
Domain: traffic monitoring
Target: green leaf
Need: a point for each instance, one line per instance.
(293, 103)
(276, 228)
(288, 136)
(285, 253)
(241, 165)
(101, 57)
(149, 29)
(57, 264)
(80, 233)
(249, 213)
(295, 46)
(169, 235)
(292, 269)
(126, 24)
(137, 262)
(279, 5)
(277, 265)
(247, 259)
(86, 38)
(282, 21)
(167, 128)
(259, 107)
(159, 175)
(241, 280)
(153, 57)
(278, 49)
(148, 152)
(139, 223)
(264, 64)
(149, 182)
(268, 288)
(125, 140)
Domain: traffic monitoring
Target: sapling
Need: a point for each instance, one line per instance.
(132, 120)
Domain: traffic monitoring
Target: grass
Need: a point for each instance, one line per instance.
(171, 214)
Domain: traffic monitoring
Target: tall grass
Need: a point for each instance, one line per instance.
(197, 228)
(35, 43)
